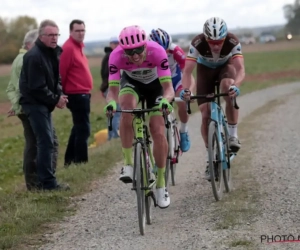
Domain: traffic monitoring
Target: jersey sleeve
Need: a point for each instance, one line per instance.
(162, 64)
(193, 53)
(237, 47)
(179, 56)
(114, 69)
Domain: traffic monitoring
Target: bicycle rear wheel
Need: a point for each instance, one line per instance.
(139, 184)
(227, 171)
(176, 154)
(215, 164)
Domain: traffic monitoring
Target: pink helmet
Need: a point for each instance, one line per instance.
(132, 37)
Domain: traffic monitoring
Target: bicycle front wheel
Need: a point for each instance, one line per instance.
(215, 164)
(139, 184)
(175, 155)
(227, 171)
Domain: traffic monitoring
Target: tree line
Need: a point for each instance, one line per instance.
(12, 31)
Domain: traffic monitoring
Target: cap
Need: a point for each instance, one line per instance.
(114, 39)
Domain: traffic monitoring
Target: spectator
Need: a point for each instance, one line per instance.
(13, 93)
(113, 43)
(77, 83)
(40, 93)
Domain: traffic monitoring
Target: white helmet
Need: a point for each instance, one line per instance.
(215, 28)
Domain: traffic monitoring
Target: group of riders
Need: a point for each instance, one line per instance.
(153, 67)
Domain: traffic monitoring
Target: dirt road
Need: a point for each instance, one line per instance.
(265, 192)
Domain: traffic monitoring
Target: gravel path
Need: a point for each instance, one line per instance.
(107, 217)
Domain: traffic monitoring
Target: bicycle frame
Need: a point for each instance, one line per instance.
(217, 115)
(141, 135)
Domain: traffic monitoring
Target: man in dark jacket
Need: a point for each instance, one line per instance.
(113, 43)
(40, 92)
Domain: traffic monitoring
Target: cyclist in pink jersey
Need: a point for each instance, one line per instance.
(145, 73)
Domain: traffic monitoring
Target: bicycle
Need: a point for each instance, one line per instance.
(219, 160)
(143, 182)
(173, 138)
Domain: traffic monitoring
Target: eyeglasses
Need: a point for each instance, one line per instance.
(51, 35)
(77, 31)
(215, 42)
(138, 50)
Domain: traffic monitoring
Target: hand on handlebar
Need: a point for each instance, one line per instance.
(185, 95)
(110, 108)
(164, 104)
(234, 91)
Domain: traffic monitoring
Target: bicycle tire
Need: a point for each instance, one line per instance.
(168, 160)
(215, 165)
(139, 184)
(147, 198)
(227, 171)
(176, 154)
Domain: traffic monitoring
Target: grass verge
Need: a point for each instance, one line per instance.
(241, 207)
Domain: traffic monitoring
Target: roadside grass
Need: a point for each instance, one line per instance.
(241, 208)
(23, 215)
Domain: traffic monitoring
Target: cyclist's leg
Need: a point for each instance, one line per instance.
(205, 85)
(183, 116)
(153, 94)
(227, 76)
(128, 99)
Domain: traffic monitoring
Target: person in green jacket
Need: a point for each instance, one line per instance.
(13, 93)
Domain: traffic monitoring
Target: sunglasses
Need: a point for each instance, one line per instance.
(215, 42)
(138, 50)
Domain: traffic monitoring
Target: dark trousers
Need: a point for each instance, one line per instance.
(40, 128)
(77, 149)
(30, 153)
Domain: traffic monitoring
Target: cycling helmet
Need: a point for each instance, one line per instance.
(132, 37)
(161, 37)
(215, 29)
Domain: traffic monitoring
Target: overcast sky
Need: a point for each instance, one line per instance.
(104, 19)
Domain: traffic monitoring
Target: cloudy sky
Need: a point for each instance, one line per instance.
(106, 18)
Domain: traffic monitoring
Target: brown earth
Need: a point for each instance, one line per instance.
(280, 45)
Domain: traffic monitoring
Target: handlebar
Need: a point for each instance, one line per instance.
(136, 111)
(210, 97)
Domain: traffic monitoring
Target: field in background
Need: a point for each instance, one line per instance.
(22, 213)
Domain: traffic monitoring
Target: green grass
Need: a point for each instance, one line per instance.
(23, 215)
(258, 63)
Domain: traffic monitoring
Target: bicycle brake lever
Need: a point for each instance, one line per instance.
(234, 103)
(109, 119)
(164, 110)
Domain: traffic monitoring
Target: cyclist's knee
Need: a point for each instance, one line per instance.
(204, 109)
(157, 127)
(127, 101)
(225, 84)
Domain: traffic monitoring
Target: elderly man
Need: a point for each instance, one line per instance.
(113, 43)
(40, 91)
(77, 83)
(13, 93)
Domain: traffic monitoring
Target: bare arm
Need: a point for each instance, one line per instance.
(168, 89)
(238, 63)
(187, 77)
(113, 93)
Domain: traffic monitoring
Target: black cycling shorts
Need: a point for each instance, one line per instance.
(152, 92)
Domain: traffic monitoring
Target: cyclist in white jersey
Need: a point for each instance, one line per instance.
(176, 58)
(217, 54)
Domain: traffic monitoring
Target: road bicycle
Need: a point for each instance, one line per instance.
(174, 151)
(219, 153)
(144, 181)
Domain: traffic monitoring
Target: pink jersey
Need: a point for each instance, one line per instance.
(155, 66)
